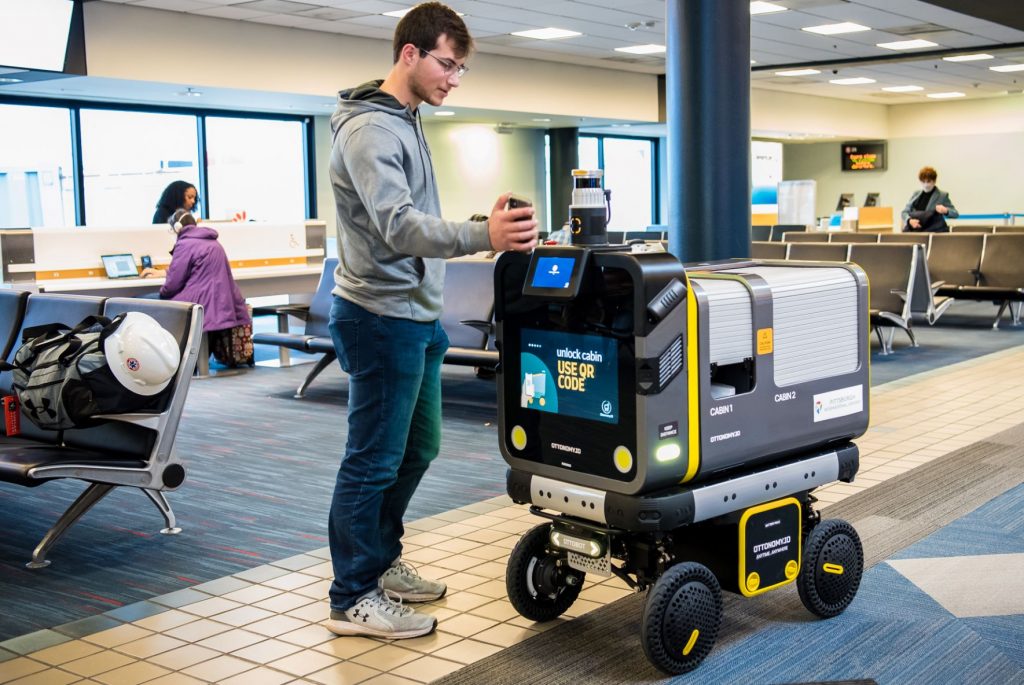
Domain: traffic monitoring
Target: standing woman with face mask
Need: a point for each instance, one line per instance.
(929, 207)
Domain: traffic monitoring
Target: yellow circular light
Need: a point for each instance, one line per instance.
(542, 401)
(519, 437)
(753, 582)
(623, 459)
(792, 568)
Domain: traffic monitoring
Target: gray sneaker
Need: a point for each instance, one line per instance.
(402, 580)
(379, 615)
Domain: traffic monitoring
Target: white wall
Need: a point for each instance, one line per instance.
(778, 113)
(474, 165)
(976, 146)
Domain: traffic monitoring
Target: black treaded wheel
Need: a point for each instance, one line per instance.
(537, 587)
(681, 618)
(832, 567)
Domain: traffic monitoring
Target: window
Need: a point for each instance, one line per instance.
(128, 158)
(36, 177)
(256, 167)
(590, 158)
(630, 173)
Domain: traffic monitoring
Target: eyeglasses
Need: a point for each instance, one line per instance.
(448, 66)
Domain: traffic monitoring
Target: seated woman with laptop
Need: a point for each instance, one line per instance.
(200, 272)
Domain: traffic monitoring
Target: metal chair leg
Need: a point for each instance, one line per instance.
(322, 364)
(1002, 308)
(89, 497)
(1015, 312)
(160, 500)
(881, 340)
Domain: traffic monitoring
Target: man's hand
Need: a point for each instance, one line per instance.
(942, 209)
(150, 272)
(915, 223)
(512, 229)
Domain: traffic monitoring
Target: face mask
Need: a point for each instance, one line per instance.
(927, 187)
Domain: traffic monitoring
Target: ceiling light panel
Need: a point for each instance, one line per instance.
(902, 89)
(797, 72)
(976, 57)
(650, 49)
(853, 81)
(946, 96)
(836, 29)
(915, 44)
(1008, 68)
(760, 7)
(548, 33)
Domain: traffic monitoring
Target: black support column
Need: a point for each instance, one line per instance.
(708, 110)
(564, 147)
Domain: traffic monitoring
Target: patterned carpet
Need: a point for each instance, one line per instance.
(897, 631)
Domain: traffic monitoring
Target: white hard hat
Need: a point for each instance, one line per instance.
(142, 354)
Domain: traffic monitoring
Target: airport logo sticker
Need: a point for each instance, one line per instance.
(837, 403)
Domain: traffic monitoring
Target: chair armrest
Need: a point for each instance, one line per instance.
(936, 285)
(300, 311)
(902, 293)
(483, 326)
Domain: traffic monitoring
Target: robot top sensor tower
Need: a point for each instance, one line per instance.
(672, 422)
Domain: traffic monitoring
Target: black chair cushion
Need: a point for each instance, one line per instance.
(18, 457)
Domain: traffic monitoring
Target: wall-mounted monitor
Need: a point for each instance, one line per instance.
(871, 200)
(861, 156)
(845, 200)
(42, 35)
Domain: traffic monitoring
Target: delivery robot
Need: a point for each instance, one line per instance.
(672, 423)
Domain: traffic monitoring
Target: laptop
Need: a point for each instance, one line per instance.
(871, 200)
(120, 266)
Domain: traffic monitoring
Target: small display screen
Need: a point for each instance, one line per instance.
(553, 272)
(569, 374)
(120, 265)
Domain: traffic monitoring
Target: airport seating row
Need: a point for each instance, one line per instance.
(938, 270)
(467, 319)
(126, 450)
(967, 266)
(773, 233)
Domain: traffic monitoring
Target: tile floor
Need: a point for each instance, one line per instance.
(260, 627)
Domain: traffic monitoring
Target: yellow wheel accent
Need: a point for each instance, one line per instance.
(623, 459)
(753, 582)
(691, 642)
(792, 568)
(833, 568)
(518, 437)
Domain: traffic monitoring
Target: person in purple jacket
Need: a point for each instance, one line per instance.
(200, 272)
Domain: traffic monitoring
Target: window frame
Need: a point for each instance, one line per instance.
(77, 105)
(655, 166)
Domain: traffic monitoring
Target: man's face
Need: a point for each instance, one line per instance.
(429, 81)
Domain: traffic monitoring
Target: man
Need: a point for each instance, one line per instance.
(384, 321)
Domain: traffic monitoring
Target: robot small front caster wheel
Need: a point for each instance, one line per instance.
(541, 585)
(682, 617)
(832, 566)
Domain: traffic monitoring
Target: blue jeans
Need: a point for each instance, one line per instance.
(394, 432)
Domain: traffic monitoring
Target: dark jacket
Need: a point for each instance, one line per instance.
(199, 272)
(930, 219)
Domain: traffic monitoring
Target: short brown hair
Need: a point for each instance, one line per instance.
(425, 23)
(927, 173)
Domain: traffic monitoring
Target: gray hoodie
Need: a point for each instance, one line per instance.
(391, 239)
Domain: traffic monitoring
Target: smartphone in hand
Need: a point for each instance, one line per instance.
(147, 261)
(515, 201)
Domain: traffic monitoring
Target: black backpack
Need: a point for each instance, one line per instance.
(62, 379)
